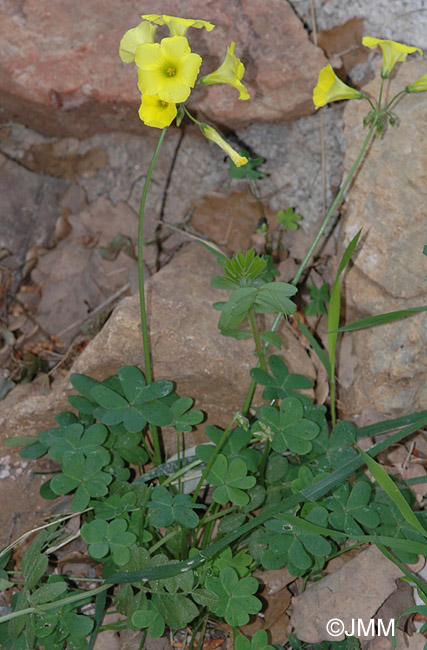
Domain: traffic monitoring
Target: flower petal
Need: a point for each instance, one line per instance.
(155, 112)
(393, 52)
(214, 136)
(142, 33)
(178, 26)
(229, 72)
(330, 88)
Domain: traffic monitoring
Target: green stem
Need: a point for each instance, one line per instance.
(211, 460)
(144, 325)
(402, 92)
(381, 94)
(255, 334)
(55, 605)
(334, 205)
(162, 541)
(182, 471)
(314, 244)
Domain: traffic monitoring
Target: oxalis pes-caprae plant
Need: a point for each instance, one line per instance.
(282, 485)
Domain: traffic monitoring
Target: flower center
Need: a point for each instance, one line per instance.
(171, 72)
(163, 103)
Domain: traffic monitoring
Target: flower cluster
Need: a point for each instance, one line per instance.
(168, 71)
(330, 88)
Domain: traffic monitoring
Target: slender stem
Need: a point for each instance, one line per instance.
(314, 244)
(182, 471)
(145, 337)
(381, 94)
(255, 334)
(144, 325)
(56, 604)
(162, 541)
(334, 205)
(402, 92)
(211, 460)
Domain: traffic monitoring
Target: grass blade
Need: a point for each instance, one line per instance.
(316, 346)
(380, 319)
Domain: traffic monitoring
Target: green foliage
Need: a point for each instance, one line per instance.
(235, 597)
(246, 171)
(259, 641)
(104, 538)
(288, 219)
(231, 479)
(319, 298)
(281, 383)
(167, 509)
(290, 429)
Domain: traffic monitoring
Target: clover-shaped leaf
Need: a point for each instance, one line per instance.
(235, 599)
(115, 505)
(104, 538)
(281, 383)
(288, 219)
(336, 449)
(235, 446)
(259, 642)
(240, 562)
(127, 446)
(75, 437)
(183, 417)
(149, 618)
(231, 479)
(294, 545)
(246, 171)
(319, 300)
(84, 474)
(349, 507)
(168, 509)
(291, 430)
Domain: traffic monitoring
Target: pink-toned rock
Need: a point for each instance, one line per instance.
(388, 202)
(61, 73)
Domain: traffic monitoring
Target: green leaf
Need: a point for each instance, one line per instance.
(288, 219)
(235, 599)
(319, 297)
(393, 491)
(246, 171)
(315, 345)
(272, 338)
(108, 398)
(47, 592)
(231, 479)
(282, 384)
(274, 297)
(84, 384)
(237, 307)
(380, 319)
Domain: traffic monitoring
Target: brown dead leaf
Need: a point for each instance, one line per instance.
(404, 642)
(355, 591)
(230, 219)
(53, 159)
(63, 228)
(344, 43)
(277, 597)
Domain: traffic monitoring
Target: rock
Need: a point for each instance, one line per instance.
(372, 578)
(388, 202)
(61, 73)
(186, 347)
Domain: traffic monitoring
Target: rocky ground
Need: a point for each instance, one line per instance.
(73, 159)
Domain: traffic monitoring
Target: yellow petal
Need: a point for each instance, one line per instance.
(229, 72)
(393, 52)
(155, 112)
(178, 26)
(214, 136)
(168, 69)
(418, 86)
(331, 89)
(143, 33)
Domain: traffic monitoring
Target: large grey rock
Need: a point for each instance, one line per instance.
(186, 347)
(61, 73)
(388, 201)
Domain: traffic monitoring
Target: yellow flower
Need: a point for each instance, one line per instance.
(230, 72)
(178, 26)
(143, 33)
(392, 52)
(214, 136)
(156, 112)
(331, 89)
(418, 86)
(168, 69)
